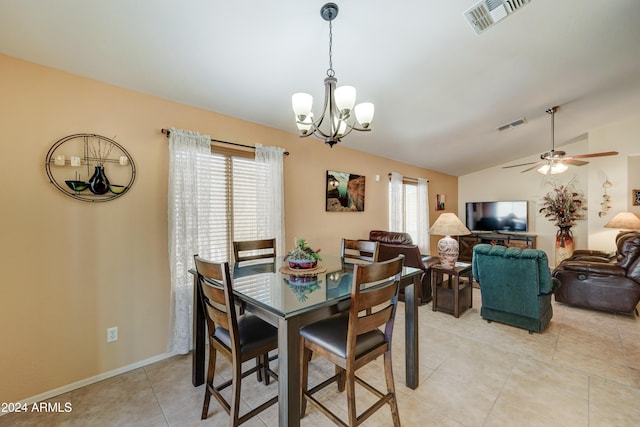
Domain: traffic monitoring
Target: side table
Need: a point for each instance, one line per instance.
(456, 297)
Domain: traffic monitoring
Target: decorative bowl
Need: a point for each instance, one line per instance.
(301, 264)
(77, 185)
(117, 189)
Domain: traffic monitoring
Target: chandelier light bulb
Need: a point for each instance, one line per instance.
(302, 103)
(304, 126)
(364, 113)
(345, 97)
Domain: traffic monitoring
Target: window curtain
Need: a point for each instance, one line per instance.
(396, 203)
(270, 191)
(423, 216)
(190, 168)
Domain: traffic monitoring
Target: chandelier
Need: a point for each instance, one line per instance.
(336, 120)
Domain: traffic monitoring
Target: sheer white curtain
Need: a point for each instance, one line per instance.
(423, 216)
(271, 195)
(396, 203)
(190, 168)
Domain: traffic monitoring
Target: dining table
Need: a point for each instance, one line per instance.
(290, 301)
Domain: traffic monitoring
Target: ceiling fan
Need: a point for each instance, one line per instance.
(556, 161)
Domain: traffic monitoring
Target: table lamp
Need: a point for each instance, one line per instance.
(624, 221)
(448, 224)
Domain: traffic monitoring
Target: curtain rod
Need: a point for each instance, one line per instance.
(408, 178)
(167, 132)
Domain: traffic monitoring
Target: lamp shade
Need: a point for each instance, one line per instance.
(448, 224)
(625, 221)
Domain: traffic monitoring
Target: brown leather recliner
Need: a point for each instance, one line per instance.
(393, 244)
(598, 280)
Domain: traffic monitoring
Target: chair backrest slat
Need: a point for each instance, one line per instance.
(373, 284)
(258, 249)
(214, 285)
(362, 250)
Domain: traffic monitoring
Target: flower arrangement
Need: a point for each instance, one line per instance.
(564, 205)
(303, 252)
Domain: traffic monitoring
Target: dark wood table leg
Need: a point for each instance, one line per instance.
(455, 286)
(289, 372)
(199, 330)
(434, 290)
(411, 333)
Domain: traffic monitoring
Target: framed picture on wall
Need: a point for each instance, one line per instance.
(439, 202)
(636, 197)
(345, 192)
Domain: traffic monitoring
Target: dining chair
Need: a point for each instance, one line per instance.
(354, 339)
(248, 250)
(359, 250)
(237, 338)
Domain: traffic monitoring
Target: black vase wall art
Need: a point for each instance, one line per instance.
(99, 184)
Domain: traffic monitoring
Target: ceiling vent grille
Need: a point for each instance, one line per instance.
(487, 13)
(513, 124)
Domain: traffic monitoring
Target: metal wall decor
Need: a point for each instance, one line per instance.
(90, 168)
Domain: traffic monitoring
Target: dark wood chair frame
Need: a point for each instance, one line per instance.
(214, 285)
(253, 245)
(382, 298)
(362, 250)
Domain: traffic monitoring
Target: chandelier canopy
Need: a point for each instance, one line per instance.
(336, 120)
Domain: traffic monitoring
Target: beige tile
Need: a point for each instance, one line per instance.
(583, 370)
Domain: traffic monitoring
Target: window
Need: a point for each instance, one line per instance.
(410, 208)
(235, 201)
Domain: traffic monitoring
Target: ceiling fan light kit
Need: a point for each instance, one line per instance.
(554, 162)
(339, 102)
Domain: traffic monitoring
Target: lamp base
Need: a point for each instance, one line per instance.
(448, 251)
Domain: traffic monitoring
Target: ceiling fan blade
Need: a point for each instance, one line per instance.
(536, 166)
(586, 156)
(516, 166)
(570, 161)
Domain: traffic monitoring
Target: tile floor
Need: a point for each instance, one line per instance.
(584, 370)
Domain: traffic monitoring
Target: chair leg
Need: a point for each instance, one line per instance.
(351, 398)
(265, 369)
(211, 369)
(234, 410)
(391, 388)
(305, 355)
(259, 364)
(341, 379)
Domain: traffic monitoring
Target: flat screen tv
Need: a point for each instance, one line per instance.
(497, 216)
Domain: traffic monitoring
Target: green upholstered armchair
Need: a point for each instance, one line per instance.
(515, 284)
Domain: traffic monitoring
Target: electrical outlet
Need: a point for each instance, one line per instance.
(112, 334)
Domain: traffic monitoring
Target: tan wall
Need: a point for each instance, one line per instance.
(70, 269)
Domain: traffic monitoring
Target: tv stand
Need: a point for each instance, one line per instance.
(504, 238)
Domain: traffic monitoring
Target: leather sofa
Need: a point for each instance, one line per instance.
(597, 280)
(515, 285)
(392, 244)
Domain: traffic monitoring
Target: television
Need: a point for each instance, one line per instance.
(510, 216)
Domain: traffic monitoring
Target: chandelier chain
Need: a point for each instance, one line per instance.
(330, 71)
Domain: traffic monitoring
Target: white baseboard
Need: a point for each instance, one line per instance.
(87, 381)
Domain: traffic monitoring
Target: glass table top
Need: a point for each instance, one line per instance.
(265, 285)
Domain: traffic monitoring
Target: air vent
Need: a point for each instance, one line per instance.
(487, 13)
(513, 124)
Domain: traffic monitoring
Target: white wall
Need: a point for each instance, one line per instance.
(622, 170)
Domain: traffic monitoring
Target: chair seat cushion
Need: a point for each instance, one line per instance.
(253, 333)
(331, 334)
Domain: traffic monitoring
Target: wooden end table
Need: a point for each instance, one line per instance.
(455, 298)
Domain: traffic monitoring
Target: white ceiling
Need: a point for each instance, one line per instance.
(440, 89)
